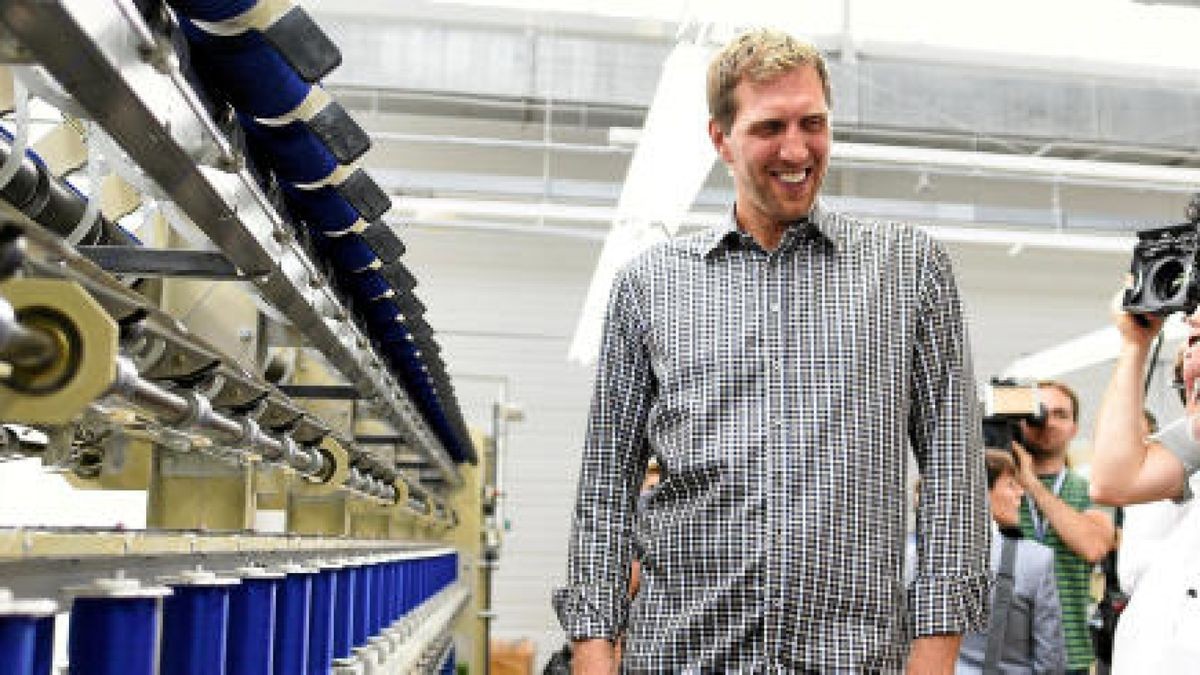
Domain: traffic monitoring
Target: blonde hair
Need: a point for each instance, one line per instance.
(759, 55)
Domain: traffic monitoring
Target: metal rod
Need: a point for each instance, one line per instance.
(27, 348)
(21, 346)
(189, 411)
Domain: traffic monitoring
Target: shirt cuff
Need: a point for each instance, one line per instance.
(949, 605)
(591, 612)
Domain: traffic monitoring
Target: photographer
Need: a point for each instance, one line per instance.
(1129, 468)
(1156, 632)
(1058, 513)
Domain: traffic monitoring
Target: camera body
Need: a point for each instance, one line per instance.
(1007, 403)
(1165, 270)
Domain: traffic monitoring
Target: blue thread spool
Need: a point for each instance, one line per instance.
(324, 211)
(343, 611)
(212, 10)
(23, 636)
(43, 654)
(362, 601)
(195, 624)
(401, 587)
(392, 605)
(292, 620)
(296, 153)
(349, 252)
(114, 627)
(423, 584)
(384, 594)
(379, 605)
(408, 586)
(321, 627)
(376, 586)
(370, 285)
(240, 65)
(451, 569)
(252, 622)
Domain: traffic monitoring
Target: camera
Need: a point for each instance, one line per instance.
(1164, 272)
(1007, 403)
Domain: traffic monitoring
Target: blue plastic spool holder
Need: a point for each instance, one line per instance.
(114, 627)
(195, 623)
(343, 610)
(294, 610)
(321, 626)
(22, 634)
(252, 622)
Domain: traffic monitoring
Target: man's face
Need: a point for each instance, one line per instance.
(1191, 362)
(1060, 427)
(1005, 500)
(777, 146)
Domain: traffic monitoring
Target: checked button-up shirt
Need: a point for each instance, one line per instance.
(781, 393)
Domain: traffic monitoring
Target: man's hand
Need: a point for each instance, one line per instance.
(1026, 476)
(593, 657)
(1137, 330)
(933, 655)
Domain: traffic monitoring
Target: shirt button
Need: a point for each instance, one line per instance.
(775, 307)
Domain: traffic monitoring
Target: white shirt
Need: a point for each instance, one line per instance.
(1159, 631)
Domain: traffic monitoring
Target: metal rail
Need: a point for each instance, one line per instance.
(228, 206)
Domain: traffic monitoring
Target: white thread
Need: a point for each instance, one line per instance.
(95, 177)
(12, 163)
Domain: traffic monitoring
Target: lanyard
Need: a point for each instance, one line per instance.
(1040, 525)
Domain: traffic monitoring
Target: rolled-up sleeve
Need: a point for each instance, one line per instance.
(595, 601)
(1176, 437)
(949, 594)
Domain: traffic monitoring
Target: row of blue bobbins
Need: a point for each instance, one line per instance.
(291, 619)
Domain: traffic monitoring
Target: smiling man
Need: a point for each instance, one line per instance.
(780, 368)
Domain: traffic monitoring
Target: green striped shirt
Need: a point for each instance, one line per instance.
(1073, 572)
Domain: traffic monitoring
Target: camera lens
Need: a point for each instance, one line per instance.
(1167, 280)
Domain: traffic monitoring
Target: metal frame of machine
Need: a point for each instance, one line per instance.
(311, 386)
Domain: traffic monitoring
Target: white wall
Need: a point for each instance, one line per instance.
(504, 306)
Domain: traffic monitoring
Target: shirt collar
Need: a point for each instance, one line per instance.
(819, 223)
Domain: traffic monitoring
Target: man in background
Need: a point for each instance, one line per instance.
(1058, 512)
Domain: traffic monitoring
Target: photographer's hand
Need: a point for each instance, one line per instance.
(1137, 330)
(1026, 476)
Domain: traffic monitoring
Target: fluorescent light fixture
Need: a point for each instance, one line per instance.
(674, 154)
(672, 159)
(423, 208)
(1125, 175)
(451, 212)
(1057, 240)
(1067, 171)
(1084, 351)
